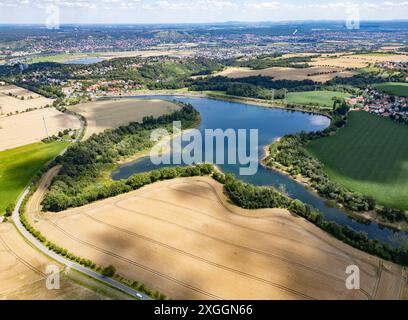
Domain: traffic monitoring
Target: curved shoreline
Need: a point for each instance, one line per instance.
(354, 217)
(275, 214)
(366, 216)
(224, 97)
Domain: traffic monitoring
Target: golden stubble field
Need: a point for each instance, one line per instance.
(183, 238)
(356, 61)
(28, 127)
(22, 272)
(108, 114)
(14, 103)
(317, 74)
(323, 68)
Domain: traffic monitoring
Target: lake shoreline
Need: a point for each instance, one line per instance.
(367, 216)
(276, 177)
(219, 96)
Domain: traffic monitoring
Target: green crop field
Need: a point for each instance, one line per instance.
(394, 88)
(370, 156)
(19, 165)
(315, 98)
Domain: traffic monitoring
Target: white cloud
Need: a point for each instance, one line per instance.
(201, 10)
(262, 5)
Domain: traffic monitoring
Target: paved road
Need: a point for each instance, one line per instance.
(60, 259)
(66, 262)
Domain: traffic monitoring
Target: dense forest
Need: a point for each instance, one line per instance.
(254, 87)
(274, 60)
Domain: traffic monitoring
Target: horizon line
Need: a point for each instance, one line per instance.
(198, 23)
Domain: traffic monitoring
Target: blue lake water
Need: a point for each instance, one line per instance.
(271, 123)
(88, 60)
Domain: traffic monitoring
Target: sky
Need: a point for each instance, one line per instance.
(198, 11)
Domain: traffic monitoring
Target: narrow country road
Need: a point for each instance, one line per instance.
(34, 206)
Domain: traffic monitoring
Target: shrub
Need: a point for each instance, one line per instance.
(109, 271)
(9, 209)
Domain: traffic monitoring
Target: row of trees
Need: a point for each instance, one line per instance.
(57, 201)
(255, 197)
(263, 62)
(361, 80)
(403, 119)
(220, 83)
(109, 271)
(291, 153)
(248, 90)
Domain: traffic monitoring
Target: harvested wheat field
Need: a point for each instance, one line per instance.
(18, 92)
(183, 238)
(20, 264)
(22, 272)
(28, 127)
(108, 114)
(356, 61)
(15, 104)
(318, 74)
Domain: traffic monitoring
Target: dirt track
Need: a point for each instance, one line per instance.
(183, 238)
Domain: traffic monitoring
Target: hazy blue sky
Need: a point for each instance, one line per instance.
(149, 11)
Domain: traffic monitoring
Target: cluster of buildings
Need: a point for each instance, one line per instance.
(380, 103)
(214, 42)
(398, 65)
(43, 78)
(75, 89)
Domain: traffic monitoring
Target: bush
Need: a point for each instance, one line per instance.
(218, 176)
(392, 215)
(109, 271)
(9, 210)
(137, 181)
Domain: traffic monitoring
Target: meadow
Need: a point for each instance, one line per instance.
(394, 88)
(315, 98)
(18, 166)
(370, 156)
